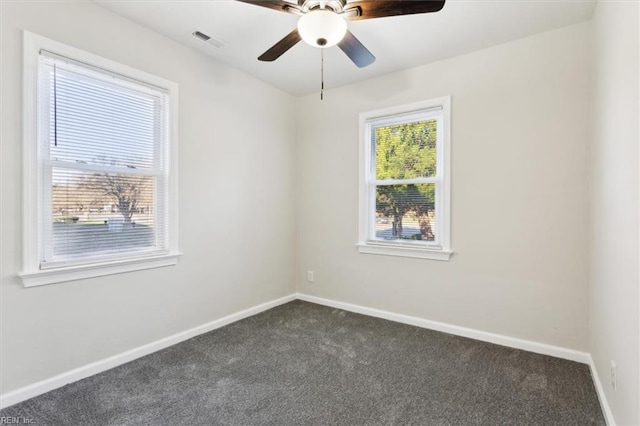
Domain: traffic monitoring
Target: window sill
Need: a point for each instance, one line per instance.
(404, 251)
(72, 273)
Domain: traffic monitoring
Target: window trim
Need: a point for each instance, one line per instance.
(33, 174)
(406, 249)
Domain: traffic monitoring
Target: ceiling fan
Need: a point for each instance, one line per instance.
(324, 23)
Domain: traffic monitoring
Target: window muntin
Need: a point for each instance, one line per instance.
(103, 145)
(404, 201)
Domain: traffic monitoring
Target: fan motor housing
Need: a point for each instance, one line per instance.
(335, 5)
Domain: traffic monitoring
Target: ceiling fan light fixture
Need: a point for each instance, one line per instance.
(322, 28)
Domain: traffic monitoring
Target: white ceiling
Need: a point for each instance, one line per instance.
(397, 42)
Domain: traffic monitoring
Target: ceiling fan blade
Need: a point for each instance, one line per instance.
(279, 5)
(356, 51)
(369, 9)
(280, 47)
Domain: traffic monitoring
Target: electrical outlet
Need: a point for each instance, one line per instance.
(614, 376)
(310, 276)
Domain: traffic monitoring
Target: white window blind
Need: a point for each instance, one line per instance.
(104, 149)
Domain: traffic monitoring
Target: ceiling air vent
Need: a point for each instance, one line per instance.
(216, 42)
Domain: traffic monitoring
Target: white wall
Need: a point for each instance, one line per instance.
(613, 310)
(236, 208)
(519, 192)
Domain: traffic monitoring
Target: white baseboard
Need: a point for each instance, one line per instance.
(606, 409)
(74, 375)
(512, 342)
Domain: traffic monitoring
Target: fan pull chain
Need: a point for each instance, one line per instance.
(321, 74)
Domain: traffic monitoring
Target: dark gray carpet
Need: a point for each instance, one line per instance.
(302, 363)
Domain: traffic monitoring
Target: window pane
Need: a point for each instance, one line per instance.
(100, 213)
(95, 122)
(406, 151)
(405, 212)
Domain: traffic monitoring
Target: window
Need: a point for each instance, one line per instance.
(100, 166)
(404, 181)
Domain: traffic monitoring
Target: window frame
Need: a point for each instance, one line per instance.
(441, 249)
(34, 176)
